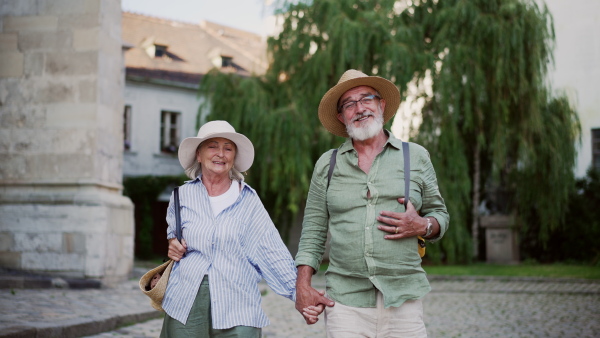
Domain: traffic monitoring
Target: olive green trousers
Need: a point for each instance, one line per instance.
(199, 323)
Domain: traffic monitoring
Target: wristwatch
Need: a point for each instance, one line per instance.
(429, 228)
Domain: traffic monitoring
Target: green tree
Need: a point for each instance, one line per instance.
(278, 111)
(493, 128)
(490, 120)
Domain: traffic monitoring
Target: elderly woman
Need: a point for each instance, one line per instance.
(229, 243)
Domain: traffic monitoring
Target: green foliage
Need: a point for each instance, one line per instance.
(278, 111)
(142, 190)
(488, 63)
(578, 237)
(491, 104)
(521, 270)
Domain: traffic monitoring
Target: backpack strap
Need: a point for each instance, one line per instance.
(406, 152)
(331, 166)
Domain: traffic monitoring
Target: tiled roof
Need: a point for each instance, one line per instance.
(190, 49)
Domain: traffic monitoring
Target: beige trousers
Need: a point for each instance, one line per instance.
(343, 321)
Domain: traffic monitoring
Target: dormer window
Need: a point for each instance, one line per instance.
(226, 61)
(157, 49)
(160, 51)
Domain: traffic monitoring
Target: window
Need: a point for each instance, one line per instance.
(127, 128)
(596, 148)
(226, 61)
(170, 127)
(160, 51)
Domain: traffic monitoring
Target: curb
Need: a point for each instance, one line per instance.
(79, 328)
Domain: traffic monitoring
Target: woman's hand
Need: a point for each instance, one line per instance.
(311, 313)
(177, 250)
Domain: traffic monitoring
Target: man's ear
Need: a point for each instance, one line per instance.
(382, 104)
(341, 118)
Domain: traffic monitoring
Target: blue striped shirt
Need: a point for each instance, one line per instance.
(236, 248)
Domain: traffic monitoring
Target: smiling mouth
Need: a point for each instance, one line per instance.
(217, 162)
(362, 118)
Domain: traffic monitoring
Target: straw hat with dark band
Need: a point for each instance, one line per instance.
(350, 79)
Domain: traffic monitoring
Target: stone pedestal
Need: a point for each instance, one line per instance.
(500, 239)
(62, 210)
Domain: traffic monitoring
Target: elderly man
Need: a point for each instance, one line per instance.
(375, 275)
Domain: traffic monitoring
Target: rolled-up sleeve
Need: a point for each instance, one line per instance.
(433, 203)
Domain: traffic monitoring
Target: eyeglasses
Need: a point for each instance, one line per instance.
(351, 105)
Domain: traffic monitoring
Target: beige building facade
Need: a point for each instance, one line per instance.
(61, 129)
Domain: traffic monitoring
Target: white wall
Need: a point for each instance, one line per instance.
(147, 101)
(577, 65)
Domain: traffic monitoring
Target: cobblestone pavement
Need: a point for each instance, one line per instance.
(460, 308)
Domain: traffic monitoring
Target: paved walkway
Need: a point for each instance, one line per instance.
(467, 307)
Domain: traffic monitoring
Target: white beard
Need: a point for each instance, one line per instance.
(365, 132)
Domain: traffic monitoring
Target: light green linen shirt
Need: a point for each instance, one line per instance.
(361, 261)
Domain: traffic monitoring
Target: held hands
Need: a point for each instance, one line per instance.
(177, 250)
(311, 313)
(402, 224)
(311, 303)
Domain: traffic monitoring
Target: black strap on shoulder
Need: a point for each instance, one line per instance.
(177, 214)
(331, 166)
(406, 152)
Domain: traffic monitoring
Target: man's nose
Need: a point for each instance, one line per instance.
(360, 107)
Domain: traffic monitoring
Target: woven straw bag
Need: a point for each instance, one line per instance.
(157, 293)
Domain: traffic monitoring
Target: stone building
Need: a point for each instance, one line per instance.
(61, 152)
(82, 86)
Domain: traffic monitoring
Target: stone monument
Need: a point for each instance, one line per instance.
(500, 239)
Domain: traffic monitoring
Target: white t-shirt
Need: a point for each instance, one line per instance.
(221, 202)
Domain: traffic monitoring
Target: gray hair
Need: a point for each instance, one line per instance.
(196, 169)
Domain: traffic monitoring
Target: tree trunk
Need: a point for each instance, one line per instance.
(475, 202)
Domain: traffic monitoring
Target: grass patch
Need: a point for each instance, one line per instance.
(521, 270)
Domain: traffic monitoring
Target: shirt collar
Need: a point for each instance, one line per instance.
(242, 182)
(392, 141)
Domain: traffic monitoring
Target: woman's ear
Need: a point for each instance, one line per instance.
(198, 158)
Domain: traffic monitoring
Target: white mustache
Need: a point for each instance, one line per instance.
(360, 116)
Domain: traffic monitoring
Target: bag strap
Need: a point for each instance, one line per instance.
(177, 214)
(406, 152)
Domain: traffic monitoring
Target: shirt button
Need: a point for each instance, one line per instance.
(367, 228)
(371, 277)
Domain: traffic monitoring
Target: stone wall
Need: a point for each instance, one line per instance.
(61, 103)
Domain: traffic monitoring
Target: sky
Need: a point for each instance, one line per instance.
(250, 15)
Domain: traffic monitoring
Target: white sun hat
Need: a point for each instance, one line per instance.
(245, 150)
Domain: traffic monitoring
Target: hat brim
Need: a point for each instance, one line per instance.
(328, 107)
(244, 155)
